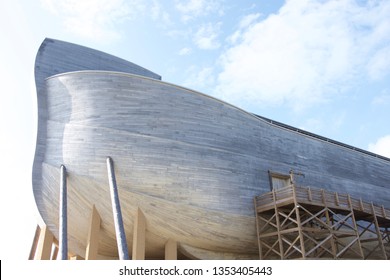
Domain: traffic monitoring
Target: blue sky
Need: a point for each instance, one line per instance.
(322, 66)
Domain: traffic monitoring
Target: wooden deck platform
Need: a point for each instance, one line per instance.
(302, 222)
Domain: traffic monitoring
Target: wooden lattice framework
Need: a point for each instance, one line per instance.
(306, 223)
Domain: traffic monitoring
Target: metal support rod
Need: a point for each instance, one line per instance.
(116, 209)
(63, 219)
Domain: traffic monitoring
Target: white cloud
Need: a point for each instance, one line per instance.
(244, 23)
(306, 53)
(94, 19)
(185, 51)
(199, 79)
(381, 146)
(158, 13)
(195, 8)
(382, 99)
(206, 37)
(248, 20)
(378, 65)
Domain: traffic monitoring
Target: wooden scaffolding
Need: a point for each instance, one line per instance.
(306, 223)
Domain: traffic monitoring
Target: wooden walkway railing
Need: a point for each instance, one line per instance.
(321, 197)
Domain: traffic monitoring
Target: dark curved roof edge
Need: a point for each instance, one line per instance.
(316, 136)
(56, 56)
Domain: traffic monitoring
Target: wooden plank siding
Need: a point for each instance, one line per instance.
(190, 162)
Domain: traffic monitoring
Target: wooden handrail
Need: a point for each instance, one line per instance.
(322, 197)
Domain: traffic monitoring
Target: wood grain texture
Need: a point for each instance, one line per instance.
(191, 163)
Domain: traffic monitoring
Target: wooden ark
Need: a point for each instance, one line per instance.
(187, 165)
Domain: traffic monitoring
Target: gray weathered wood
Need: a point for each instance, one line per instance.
(192, 163)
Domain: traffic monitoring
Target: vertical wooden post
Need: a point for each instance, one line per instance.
(93, 235)
(337, 199)
(44, 245)
(55, 253)
(355, 228)
(280, 240)
(329, 223)
(139, 236)
(383, 212)
(361, 205)
(299, 224)
(35, 243)
(116, 209)
(63, 219)
(323, 197)
(309, 193)
(378, 232)
(171, 250)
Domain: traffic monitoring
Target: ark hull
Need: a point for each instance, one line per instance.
(191, 163)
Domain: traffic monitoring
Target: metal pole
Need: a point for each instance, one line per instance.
(116, 209)
(63, 221)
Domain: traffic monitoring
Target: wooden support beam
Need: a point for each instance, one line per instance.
(35, 243)
(278, 226)
(63, 218)
(75, 258)
(117, 213)
(93, 235)
(309, 194)
(329, 222)
(299, 224)
(323, 196)
(139, 236)
(337, 198)
(54, 255)
(355, 228)
(378, 233)
(361, 205)
(171, 250)
(44, 245)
